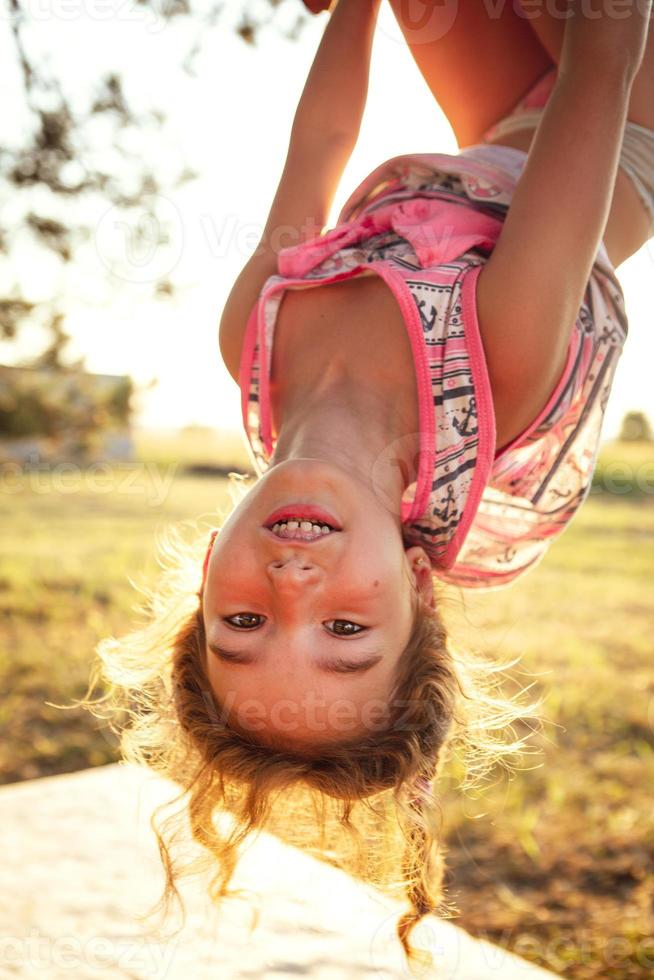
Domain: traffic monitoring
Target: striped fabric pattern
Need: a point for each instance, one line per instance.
(483, 517)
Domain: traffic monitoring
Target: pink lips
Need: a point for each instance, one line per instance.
(307, 511)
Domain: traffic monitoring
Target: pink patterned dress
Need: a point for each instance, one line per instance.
(426, 223)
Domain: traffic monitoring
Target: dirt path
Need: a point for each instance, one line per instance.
(80, 863)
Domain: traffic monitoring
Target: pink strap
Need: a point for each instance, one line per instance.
(439, 231)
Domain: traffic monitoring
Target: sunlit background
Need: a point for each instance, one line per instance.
(554, 861)
(245, 96)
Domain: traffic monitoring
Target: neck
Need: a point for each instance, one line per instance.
(336, 418)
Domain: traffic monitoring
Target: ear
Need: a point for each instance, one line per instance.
(420, 570)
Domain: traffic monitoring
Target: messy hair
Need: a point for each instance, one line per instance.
(368, 805)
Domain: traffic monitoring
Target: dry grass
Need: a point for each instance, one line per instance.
(555, 861)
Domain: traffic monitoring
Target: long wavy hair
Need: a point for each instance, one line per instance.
(368, 806)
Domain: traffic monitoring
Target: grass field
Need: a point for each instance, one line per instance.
(555, 861)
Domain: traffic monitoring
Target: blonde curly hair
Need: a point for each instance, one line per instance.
(369, 805)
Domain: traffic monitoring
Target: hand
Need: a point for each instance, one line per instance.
(317, 6)
(595, 36)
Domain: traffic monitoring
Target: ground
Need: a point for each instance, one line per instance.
(554, 861)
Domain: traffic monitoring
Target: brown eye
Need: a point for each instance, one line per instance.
(244, 626)
(346, 632)
(343, 628)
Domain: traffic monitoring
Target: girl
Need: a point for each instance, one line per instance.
(423, 389)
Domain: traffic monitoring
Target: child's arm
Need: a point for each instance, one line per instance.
(334, 95)
(530, 289)
(324, 133)
(325, 128)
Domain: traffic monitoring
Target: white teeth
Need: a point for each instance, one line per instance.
(302, 530)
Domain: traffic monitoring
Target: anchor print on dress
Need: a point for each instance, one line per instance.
(449, 511)
(469, 413)
(423, 293)
(428, 322)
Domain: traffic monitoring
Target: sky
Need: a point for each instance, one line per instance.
(230, 123)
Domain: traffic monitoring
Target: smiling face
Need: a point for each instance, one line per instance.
(303, 637)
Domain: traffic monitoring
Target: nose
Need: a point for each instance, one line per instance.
(293, 574)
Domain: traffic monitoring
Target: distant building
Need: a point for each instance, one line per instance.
(55, 415)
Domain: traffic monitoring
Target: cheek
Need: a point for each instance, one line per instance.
(230, 573)
(384, 571)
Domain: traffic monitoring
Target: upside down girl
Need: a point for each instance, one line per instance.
(423, 388)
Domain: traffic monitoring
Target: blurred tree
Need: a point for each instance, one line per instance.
(55, 167)
(70, 408)
(636, 428)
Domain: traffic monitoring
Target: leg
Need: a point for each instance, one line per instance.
(629, 224)
(477, 59)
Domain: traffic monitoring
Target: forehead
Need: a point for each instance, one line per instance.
(339, 711)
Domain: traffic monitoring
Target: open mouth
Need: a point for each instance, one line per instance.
(302, 521)
(297, 529)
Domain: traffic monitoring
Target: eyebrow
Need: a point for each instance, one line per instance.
(329, 665)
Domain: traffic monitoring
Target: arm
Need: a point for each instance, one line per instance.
(530, 290)
(325, 127)
(334, 96)
(323, 135)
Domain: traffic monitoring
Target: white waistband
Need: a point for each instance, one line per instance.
(636, 153)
